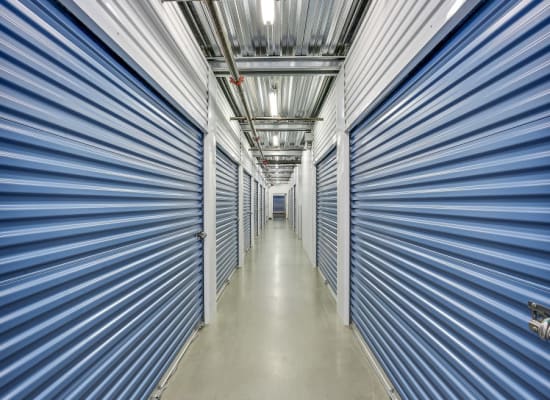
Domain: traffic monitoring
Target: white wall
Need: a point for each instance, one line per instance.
(307, 189)
(324, 132)
(297, 181)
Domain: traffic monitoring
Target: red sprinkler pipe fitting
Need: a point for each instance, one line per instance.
(237, 82)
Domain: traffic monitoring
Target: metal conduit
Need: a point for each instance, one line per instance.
(231, 63)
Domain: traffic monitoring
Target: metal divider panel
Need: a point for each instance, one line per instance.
(100, 204)
(263, 207)
(450, 225)
(291, 207)
(326, 218)
(294, 207)
(227, 217)
(256, 229)
(247, 211)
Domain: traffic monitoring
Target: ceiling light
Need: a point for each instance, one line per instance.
(268, 11)
(454, 8)
(273, 104)
(276, 141)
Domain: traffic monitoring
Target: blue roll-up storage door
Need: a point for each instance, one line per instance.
(100, 204)
(227, 217)
(450, 219)
(326, 217)
(247, 211)
(279, 206)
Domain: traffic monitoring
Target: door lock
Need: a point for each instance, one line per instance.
(201, 235)
(540, 320)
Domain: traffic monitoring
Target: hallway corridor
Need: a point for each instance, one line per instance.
(277, 335)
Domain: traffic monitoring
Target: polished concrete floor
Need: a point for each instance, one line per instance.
(277, 336)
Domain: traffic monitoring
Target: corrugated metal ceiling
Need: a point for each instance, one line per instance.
(301, 28)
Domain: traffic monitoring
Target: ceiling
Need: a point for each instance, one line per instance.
(297, 56)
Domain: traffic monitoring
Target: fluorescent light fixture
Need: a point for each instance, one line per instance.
(268, 11)
(454, 8)
(273, 104)
(276, 141)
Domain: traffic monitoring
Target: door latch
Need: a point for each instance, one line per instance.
(201, 235)
(540, 320)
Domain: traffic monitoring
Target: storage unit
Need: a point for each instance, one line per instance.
(247, 210)
(449, 218)
(101, 201)
(227, 217)
(279, 206)
(326, 220)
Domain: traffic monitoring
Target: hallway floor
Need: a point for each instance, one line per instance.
(277, 336)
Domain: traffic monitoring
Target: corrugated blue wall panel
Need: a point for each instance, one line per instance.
(247, 210)
(327, 201)
(100, 202)
(227, 217)
(450, 219)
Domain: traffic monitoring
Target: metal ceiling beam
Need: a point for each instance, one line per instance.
(281, 162)
(270, 66)
(230, 60)
(289, 148)
(277, 129)
(287, 153)
(276, 167)
(275, 126)
(302, 119)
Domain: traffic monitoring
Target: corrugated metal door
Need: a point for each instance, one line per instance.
(279, 206)
(326, 217)
(227, 217)
(100, 204)
(450, 214)
(247, 211)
